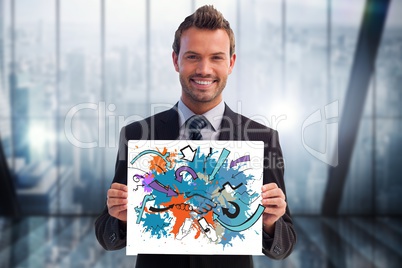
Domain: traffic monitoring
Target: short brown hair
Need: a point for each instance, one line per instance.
(205, 17)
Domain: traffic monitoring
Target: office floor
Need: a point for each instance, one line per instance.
(322, 242)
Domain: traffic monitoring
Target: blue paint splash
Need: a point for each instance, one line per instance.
(156, 224)
(197, 190)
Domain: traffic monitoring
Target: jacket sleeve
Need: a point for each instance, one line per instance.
(110, 232)
(281, 244)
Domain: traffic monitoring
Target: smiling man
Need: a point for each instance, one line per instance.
(204, 62)
(204, 56)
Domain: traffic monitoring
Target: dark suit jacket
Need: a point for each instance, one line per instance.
(165, 126)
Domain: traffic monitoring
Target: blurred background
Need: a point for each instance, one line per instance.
(326, 74)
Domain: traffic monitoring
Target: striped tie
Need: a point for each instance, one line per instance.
(195, 124)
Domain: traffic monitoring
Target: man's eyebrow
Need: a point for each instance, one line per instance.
(191, 52)
(219, 54)
(214, 54)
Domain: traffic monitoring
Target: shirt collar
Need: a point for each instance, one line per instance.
(214, 115)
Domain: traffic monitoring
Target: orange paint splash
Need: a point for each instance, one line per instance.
(158, 163)
(180, 211)
(198, 228)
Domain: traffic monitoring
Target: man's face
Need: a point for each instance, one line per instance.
(203, 64)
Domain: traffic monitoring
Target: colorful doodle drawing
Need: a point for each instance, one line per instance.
(194, 194)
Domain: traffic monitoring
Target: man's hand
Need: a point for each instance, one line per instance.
(273, 199)
(117, 201)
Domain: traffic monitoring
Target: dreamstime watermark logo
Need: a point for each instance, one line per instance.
(330, 153)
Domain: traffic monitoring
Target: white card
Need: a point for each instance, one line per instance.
(194, 197)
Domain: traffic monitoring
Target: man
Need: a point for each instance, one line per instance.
(203, 55)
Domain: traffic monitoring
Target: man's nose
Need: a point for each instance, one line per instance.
(203, 67)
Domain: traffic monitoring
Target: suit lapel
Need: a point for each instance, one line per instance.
(167, 126)
(230, 126)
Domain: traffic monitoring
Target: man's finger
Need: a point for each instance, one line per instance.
(269, 186)
(117, 211)
(274, 202)
(279, 212)
(277, 192)
(119, 186)
(111, 202)
(113, 193)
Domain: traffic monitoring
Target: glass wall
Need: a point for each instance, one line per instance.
(387, 117)
(31, 90)
(74, 73)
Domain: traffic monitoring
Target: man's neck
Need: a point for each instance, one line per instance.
(200, 107)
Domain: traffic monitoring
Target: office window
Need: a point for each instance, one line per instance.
(125, 56)
(80, 93)
(125, 80)
(165, 17)
(33, 105)
(388, 122)
(346, 21)
(306, 86)
(258, 71)
(72, 77)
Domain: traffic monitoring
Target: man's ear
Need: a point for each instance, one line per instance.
(175, 59)
(232, 63)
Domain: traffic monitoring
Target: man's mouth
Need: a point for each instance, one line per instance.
(203, 82)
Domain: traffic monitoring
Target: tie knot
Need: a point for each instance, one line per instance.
(195, 124)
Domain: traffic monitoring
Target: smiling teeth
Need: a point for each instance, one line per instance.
(204, 82)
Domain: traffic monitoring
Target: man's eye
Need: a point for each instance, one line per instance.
(217, 58)
(191, 57)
